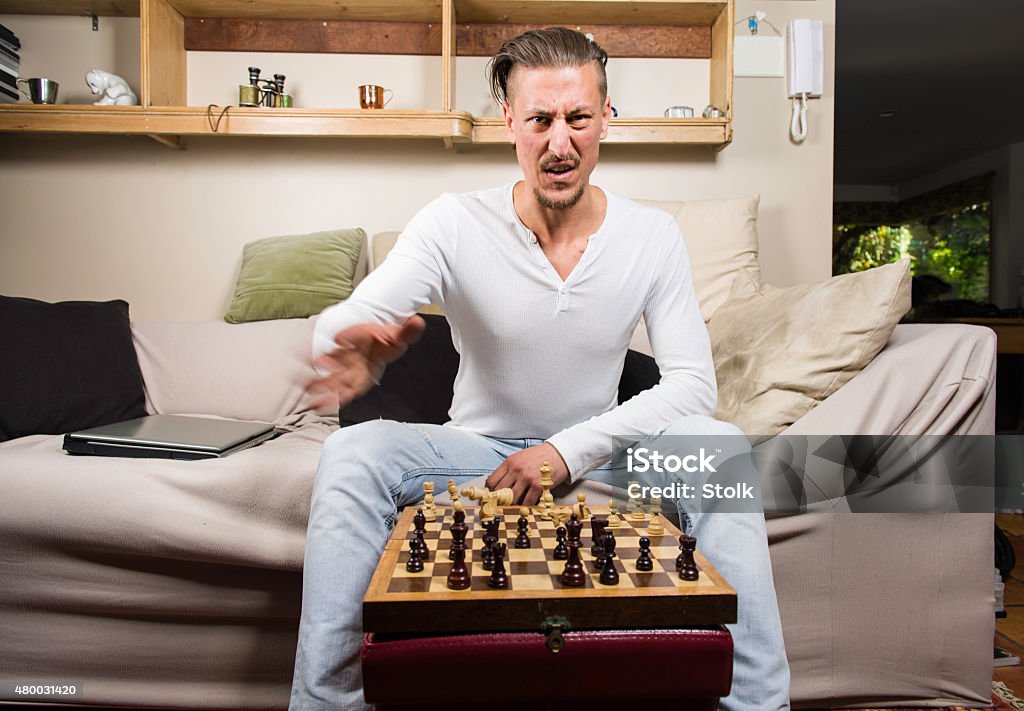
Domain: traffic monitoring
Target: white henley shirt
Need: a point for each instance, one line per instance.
(542, 357)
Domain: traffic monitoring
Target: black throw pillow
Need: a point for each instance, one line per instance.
(418, 386)
(66, 366)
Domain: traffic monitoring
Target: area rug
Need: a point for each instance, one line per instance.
(1003, 699)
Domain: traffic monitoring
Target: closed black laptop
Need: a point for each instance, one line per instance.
(169, 437)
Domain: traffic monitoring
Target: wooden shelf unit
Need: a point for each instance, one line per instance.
(164, 112)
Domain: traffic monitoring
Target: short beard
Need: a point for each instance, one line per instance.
(559, 204)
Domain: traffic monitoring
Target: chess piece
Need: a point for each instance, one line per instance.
(458, 576)
(613, 514)
(609, 575)
(560, 514)
(523, 539)
(499, 578)
(597, 526)
(644, 563)
(489, 504)
(655, 528)
(581, 506)
(561, 551)
(504, 497)
(573, 575)
(547, 501)
(490, 539)
(475, 493)
(688, 569)
(457, 507)
(429, 509)
(634, 501)
(419, 529)
(453, 492)
(415, 562)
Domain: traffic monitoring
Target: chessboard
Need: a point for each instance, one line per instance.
(399, 601)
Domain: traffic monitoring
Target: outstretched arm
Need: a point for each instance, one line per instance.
(357, 362)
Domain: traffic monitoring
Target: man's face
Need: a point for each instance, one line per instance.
(556, 118)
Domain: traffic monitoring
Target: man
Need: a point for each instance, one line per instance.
(543, 282)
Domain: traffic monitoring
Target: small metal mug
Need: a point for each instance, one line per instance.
(679, 112)
(371, 96)
(248, 95)
(41, 91)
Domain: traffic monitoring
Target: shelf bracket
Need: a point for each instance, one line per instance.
(169, 141)
(95, 22)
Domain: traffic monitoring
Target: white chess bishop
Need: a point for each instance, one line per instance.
(113, 90)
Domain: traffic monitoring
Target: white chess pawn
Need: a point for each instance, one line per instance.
(613, 514)
(581, 506)
(655, 527)
(429, 510)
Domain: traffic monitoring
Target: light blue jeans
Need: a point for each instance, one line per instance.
(368, 471)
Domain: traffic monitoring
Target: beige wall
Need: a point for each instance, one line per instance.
(100, 217)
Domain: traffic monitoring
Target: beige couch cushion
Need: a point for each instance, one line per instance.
(249, 371)
(779, 352)
(721, 240)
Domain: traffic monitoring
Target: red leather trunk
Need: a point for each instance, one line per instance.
(517, 670)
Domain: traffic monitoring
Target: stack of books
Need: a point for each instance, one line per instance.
(9, 61)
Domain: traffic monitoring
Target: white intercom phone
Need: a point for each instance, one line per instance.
(806, 68)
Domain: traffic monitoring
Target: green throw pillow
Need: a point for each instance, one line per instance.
(295, 276)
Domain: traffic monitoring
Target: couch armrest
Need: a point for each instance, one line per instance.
(934, 379)
(930, 385)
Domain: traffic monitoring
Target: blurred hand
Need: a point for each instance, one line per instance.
(357, 363)
(521, 472)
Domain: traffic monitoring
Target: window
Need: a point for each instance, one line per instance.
(946, 234)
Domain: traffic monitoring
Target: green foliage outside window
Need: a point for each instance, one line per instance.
(953, 246)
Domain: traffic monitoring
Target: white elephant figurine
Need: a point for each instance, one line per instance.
(113, 89)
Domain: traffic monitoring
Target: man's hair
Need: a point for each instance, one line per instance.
(554, 47)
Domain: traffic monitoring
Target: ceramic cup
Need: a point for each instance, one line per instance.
(371, 96)
(41, 91)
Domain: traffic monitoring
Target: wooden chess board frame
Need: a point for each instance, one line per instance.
(401, 602)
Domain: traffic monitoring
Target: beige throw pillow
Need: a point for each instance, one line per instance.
(721, 240)
(780, 351)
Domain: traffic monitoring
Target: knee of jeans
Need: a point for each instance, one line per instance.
(352, 451)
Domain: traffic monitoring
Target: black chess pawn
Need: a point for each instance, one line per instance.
(597, 526)
(688, 569)
(561, 551)
(574, 576)
(499, 579)
(415, 562)
(523, 539)
(609, 575)
(644, 563)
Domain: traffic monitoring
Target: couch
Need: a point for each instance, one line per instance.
(178, 584)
